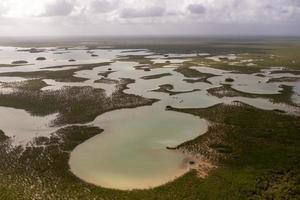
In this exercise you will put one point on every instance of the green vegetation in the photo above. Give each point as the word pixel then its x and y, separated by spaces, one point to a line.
pixel 2 136
pixel 32 50
pixel 29 85
pixel 19 62
pixel 142 61
pixel 193 73
pixel 285 96
pixel 40 58
pixel 106 73
pixel 61 75
pixel 135 58
pixel 250 57
pixel 221 148
pixel 156 76
pixel 256 152
pixel 167 88
pixel 106 80
pixel 284 79
pixel 74 104
pixel 263 156
pixel 255 161
pixel 229 80
pixel 285 55
pixel 8 65
pixel 47 175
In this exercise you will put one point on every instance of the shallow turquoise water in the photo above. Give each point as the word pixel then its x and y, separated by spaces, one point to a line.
pixel 131 152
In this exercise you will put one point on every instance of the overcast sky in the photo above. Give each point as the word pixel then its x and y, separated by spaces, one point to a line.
pixel 149 17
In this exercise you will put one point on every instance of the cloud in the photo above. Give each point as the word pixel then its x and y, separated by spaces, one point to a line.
pixel 103 6
pixel 196 8
pixel 2 10
pixel 59 8
pixel 154 11
pixel 150 16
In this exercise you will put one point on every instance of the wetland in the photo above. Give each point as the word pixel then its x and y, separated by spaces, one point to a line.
pixel 208 120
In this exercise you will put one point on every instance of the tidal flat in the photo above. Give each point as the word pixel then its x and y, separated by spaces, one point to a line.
pixel 150 121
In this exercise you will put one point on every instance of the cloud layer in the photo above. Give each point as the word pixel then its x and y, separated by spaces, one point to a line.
pixel 158 17
pixel 58 8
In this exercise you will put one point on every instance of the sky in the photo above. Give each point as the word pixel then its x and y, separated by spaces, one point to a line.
pixel 149 17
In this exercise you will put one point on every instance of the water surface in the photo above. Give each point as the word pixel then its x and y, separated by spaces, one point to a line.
pixel 131 152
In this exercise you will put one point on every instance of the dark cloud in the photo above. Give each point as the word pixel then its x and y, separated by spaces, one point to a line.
pixel 59 8
pixel 103 6
pixel 197 8
pixel 155 11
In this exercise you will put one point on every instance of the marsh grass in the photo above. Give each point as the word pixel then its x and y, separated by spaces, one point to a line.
pixel 262 144
pixel 74 104
pixel 285 96
pixel 156 76
pixel 255 161
pixel 168 89
pixel 257 151
pixel 61 75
